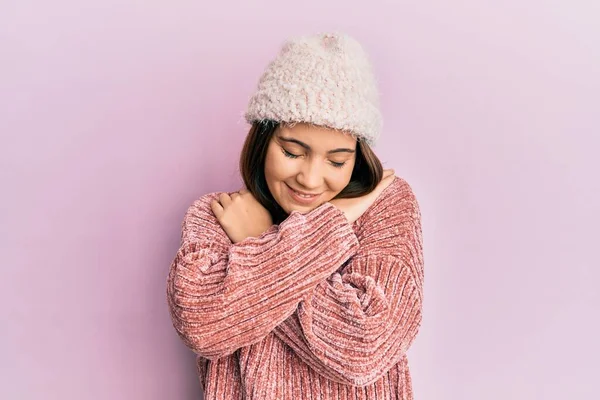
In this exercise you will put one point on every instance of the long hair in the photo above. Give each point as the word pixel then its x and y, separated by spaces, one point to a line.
pixel 366 175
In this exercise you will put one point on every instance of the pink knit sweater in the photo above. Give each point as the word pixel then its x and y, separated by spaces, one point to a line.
pixel 314 308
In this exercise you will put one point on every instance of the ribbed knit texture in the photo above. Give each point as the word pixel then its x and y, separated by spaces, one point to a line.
pixel 315 308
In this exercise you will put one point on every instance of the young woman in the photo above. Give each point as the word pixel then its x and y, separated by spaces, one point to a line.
pixel 307 283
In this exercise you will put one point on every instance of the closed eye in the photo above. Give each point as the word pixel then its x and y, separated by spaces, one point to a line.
pixel 288 154
pixel 333 163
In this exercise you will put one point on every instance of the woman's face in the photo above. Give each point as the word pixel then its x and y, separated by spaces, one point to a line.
pixel 307 165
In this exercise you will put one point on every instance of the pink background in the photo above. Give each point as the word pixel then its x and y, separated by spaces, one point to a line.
pixel 116 115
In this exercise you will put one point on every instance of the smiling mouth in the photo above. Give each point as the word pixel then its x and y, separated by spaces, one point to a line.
pixel 306 196
pixel 303 195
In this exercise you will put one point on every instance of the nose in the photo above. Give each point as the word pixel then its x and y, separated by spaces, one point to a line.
pixel 310 175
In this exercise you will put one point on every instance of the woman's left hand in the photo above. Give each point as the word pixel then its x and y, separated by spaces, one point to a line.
pixel 241 215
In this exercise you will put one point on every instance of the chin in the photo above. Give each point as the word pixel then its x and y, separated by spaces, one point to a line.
pixel 301 209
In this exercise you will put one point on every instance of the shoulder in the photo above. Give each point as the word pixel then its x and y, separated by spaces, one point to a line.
pixel 202 205
pixel 391 220
pixel 199 217
pixel 400 188
pixel 398 198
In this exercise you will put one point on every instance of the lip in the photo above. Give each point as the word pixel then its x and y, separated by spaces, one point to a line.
pixel 301 200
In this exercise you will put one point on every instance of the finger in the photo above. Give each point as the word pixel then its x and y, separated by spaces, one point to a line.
pixel 385 182
pixel 224 199
pixel 388 172
pixel 234 195
pixel 243 191
pixel 217 208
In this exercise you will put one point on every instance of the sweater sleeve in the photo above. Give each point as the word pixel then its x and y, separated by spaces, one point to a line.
pixel 358 323
pixel 224 296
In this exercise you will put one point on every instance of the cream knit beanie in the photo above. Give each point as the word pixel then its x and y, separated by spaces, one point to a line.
pixel 323 79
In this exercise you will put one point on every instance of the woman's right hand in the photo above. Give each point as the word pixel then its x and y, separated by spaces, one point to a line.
pixel 354 208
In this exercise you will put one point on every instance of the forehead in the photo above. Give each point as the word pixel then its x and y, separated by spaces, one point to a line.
pixel 317 137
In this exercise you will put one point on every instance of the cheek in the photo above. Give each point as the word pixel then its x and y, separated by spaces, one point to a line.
pixel 276 171
pixel 275 168
pixel 337 181
pixel 340 182
pixel 340 178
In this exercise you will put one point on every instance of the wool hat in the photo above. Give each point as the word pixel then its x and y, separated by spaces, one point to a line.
pixel 324 79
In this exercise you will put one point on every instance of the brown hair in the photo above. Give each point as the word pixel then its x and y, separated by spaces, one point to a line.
pixel 366 175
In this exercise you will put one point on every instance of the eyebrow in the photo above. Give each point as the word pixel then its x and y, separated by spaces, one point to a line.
pixel 307 147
